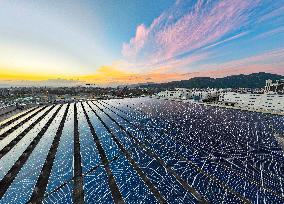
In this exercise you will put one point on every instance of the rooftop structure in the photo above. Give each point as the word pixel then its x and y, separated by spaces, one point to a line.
pixel 277 86
pixel 196 94
pixel 178 93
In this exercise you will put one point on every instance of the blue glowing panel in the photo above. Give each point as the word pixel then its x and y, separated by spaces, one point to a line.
pixel 8 160
pixel 96 187
pixel 90 156
pixel 23 185
pixel 145 149
pixel 62 170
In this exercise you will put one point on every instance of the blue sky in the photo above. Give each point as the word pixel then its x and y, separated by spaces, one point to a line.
pixel 112 42
pixel 90 32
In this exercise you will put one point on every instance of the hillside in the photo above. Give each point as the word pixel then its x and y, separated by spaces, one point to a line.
pixel 255 80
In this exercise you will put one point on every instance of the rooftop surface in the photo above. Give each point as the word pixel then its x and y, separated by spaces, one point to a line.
pixel 140 150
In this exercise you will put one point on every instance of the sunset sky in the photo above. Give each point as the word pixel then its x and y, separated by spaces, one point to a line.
pixel 111 42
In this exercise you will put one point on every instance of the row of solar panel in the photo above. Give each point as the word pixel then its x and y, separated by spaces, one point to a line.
pixel 129 156
pixel 251 179
pixel 274 184
pixel 28 171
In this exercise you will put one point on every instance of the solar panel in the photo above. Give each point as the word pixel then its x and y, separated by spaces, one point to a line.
pixel 141 150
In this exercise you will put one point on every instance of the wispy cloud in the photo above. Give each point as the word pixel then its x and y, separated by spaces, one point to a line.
pixel 198 38
pixel 277 11
pixel 270 61
pixel 226 40
pixel 185 28
pixel 268 34
pixel 136 44
pixel 187 33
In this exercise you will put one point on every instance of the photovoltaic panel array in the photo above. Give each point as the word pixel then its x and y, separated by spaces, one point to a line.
pixel 140 150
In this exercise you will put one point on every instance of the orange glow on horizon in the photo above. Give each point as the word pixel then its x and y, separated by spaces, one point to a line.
pixel 29 77
pixel 110 75
pixel 105 75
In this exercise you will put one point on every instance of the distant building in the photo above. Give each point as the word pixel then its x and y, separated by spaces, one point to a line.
pixel 52 98
pixel 4 92
pixel 271 100
pixel 205 95
pixel 179 93
pixel 277 86
pixel 195 94
pixel 267 101
pixel 90 85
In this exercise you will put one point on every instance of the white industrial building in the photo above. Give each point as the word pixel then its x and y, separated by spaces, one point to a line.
pixel 271 100
pixel 184 94
pixel 178 93
pixel 267 101
pixel 204 95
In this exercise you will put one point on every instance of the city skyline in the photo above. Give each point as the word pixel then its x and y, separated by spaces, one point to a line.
pixel 110 43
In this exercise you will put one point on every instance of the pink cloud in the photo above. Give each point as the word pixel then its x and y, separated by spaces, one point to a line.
pixel 223 71
pixel 177 64
pixel 226 40
pixel 270 33
pixel 275 13
pixel 172 34
pixel 271 61
pixel 136 43
pixel 182 39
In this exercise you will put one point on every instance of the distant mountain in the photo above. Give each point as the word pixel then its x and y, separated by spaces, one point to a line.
pixel 140 84
pixel 255 80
